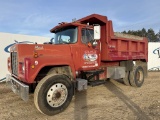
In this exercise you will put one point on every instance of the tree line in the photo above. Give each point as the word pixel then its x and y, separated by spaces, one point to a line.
pixel 150 34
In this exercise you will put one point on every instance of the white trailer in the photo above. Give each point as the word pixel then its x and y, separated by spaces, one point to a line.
pixel 154 56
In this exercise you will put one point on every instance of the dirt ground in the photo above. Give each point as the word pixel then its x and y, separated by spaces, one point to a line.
pixel 111 101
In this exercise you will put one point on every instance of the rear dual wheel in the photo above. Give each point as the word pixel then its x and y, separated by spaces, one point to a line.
pixel 53 94
pixel 135 77
pixel 126 79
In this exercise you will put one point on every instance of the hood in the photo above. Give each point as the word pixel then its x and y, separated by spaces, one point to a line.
pixel 28 50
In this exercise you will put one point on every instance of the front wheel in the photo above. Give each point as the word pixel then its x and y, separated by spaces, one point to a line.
pixel 53 94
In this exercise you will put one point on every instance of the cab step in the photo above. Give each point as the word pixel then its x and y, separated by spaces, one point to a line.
pixel 96 82
pixel 89 75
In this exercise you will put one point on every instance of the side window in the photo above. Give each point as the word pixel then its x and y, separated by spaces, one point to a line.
pixel 87 35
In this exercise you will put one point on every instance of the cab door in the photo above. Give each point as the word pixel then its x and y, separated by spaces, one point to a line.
pixel 90 50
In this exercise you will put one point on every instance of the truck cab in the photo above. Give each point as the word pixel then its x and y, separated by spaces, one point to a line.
pixel 85 49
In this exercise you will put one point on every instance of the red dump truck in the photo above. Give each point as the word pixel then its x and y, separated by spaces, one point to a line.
pixel 83 52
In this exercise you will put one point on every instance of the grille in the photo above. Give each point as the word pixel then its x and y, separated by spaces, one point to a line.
pixel 14 63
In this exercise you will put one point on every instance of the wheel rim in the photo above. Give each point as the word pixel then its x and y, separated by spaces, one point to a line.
pixel 57 95
pixel 139 76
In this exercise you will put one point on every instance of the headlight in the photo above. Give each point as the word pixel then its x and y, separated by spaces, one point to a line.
pixel 22 67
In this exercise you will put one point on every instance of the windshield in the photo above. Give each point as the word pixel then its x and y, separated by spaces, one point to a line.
pixel 66 36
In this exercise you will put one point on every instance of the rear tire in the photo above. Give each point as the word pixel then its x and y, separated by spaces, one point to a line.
pixel 53 94
pixel 136 76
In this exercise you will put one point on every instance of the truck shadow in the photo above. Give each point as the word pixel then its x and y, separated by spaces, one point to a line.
pixel 80 104
pixel 130 104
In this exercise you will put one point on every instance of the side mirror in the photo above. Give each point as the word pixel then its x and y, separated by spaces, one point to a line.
pixel 97 32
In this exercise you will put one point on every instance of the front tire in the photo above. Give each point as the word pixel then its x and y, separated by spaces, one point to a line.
pixel 53 94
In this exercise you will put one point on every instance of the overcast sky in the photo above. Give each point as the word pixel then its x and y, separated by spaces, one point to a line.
pixel 37 17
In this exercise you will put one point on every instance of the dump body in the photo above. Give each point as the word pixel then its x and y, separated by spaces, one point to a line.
pixel 119 48
pixel 125 48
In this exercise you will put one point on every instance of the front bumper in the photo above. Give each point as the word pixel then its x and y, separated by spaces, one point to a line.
pixel 18 87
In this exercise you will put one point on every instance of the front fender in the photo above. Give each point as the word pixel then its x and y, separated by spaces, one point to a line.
pixel 42 62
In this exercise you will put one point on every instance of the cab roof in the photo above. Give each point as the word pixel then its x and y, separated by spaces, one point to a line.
pixel 91 19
